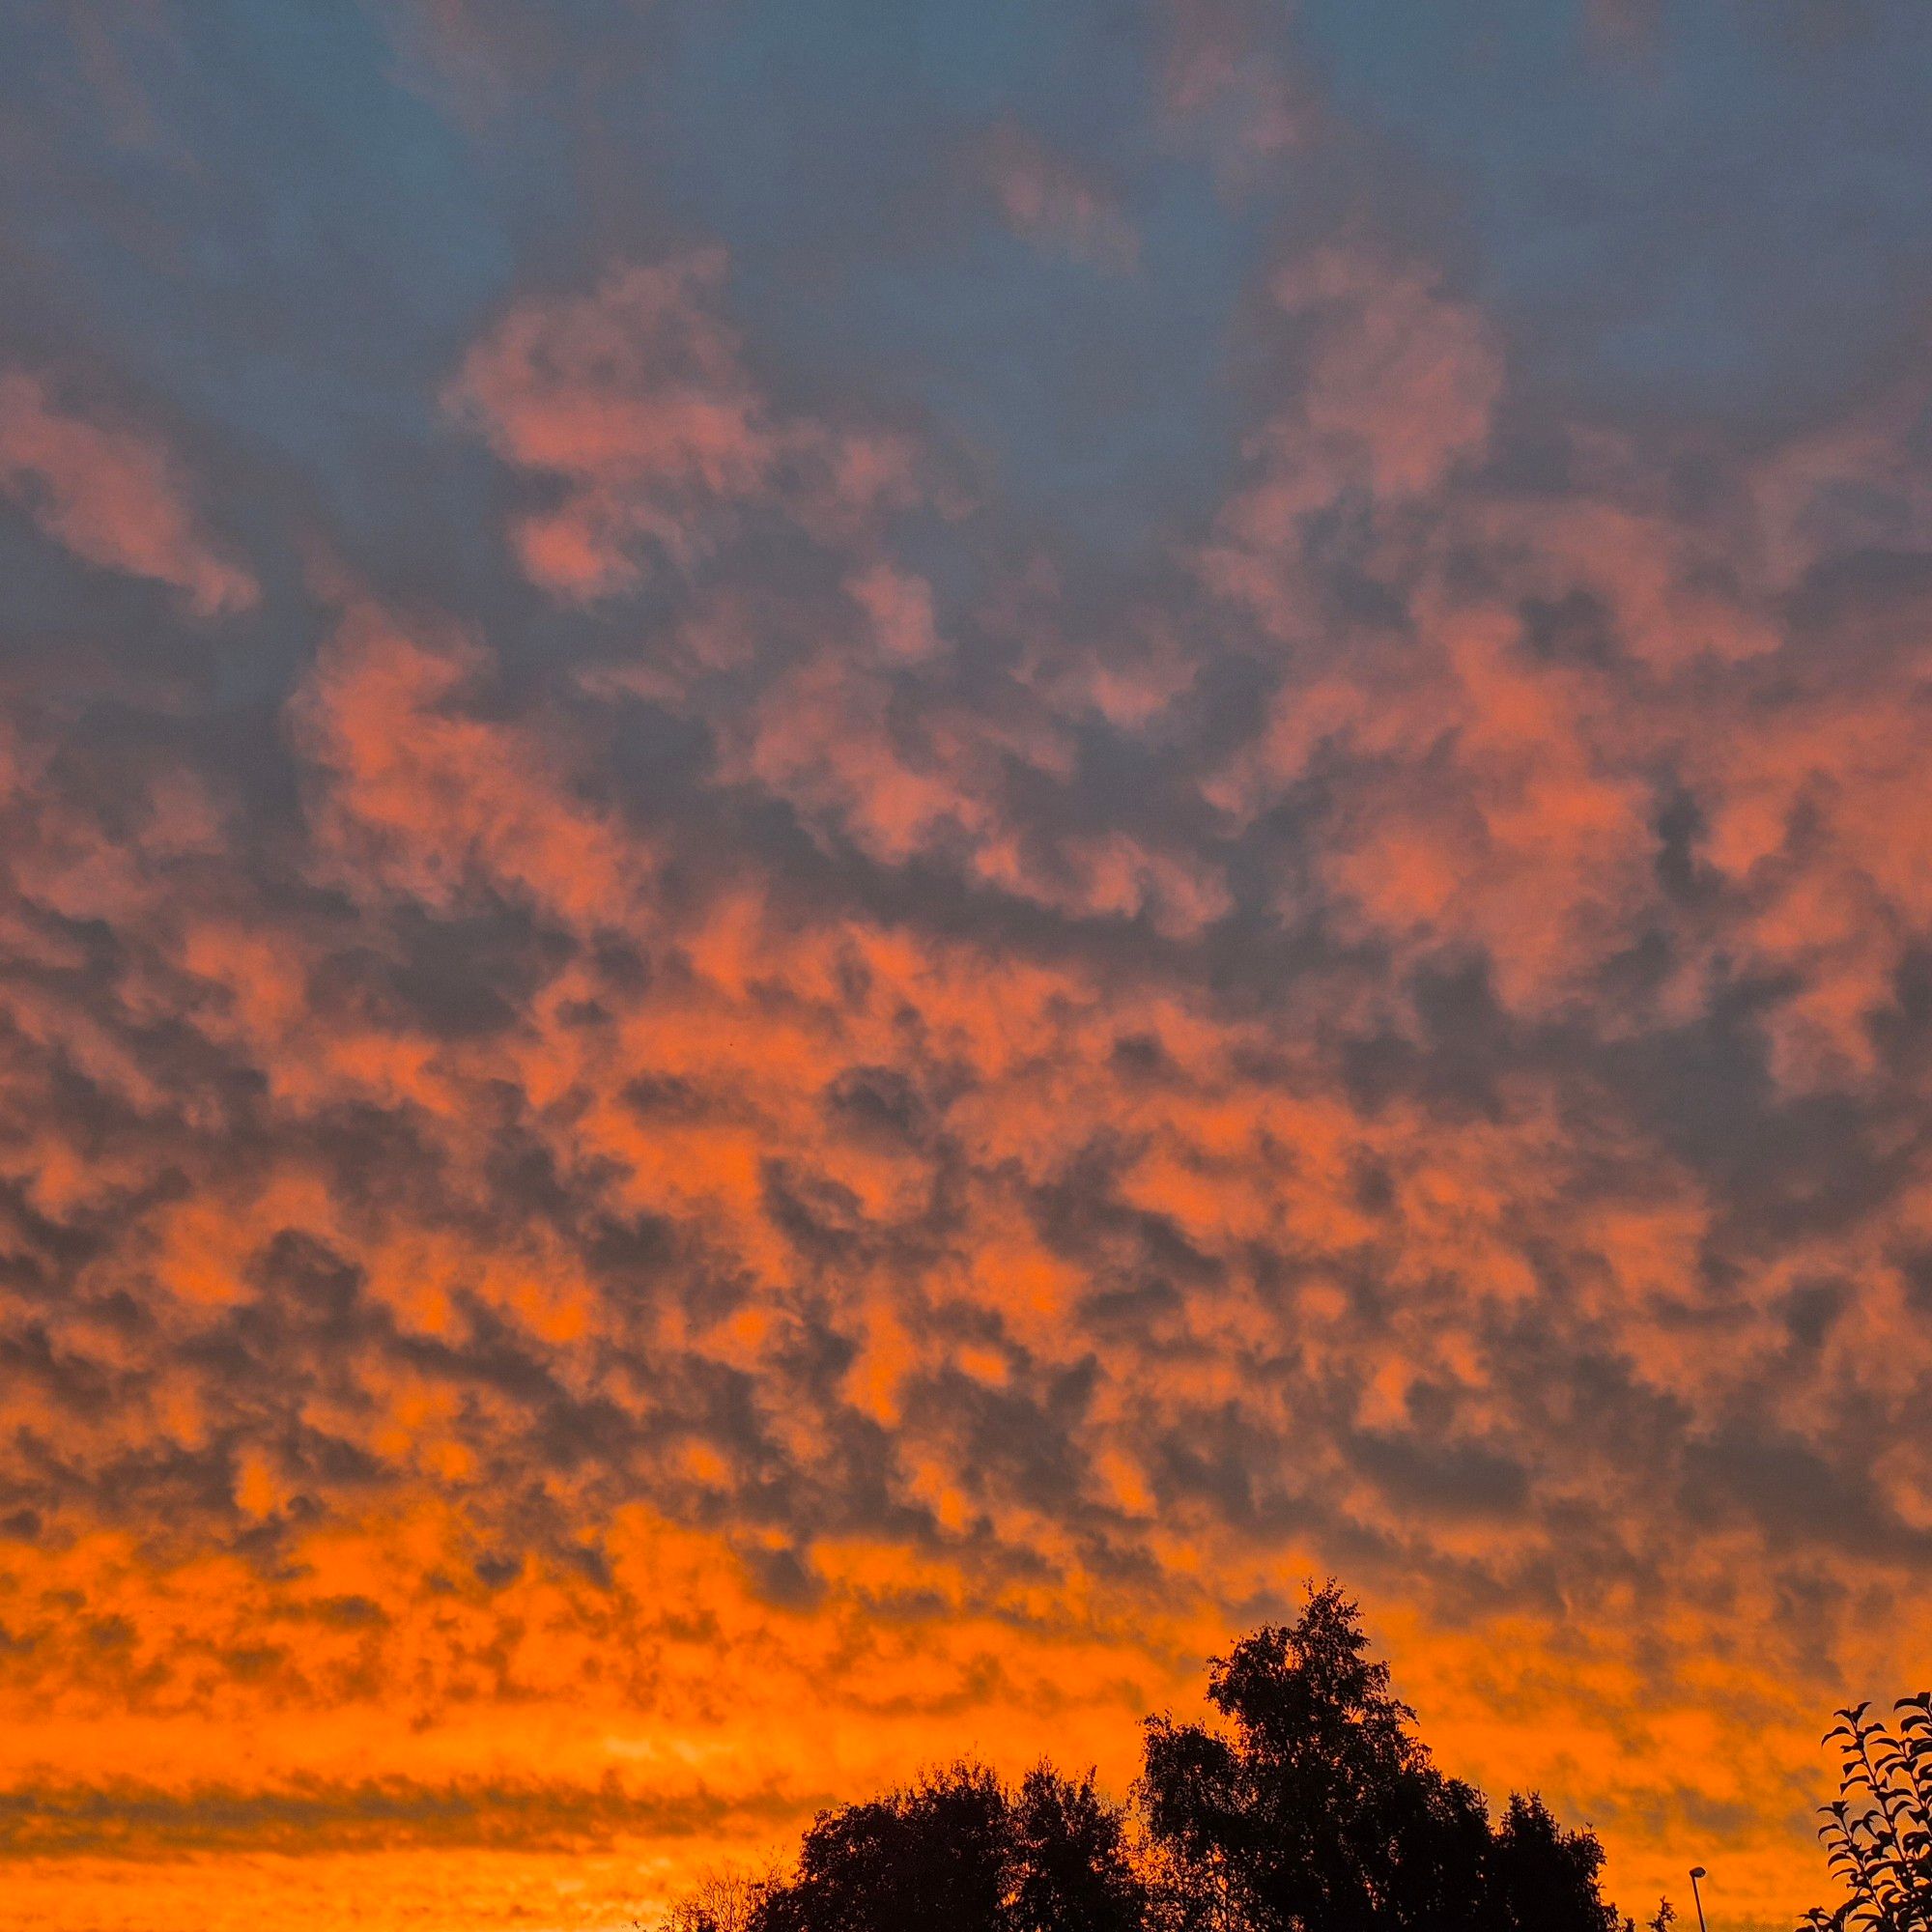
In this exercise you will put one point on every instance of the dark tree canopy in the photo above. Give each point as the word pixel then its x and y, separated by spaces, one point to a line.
pixel 1071 1870
pixel 961 1852
pixel 1317 1809
pixel 1543 1875
pixel 1311 1807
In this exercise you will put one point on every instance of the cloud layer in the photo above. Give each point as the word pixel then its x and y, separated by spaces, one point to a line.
pixel 698 1107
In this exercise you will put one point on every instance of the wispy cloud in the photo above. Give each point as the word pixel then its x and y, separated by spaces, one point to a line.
pixel 112 494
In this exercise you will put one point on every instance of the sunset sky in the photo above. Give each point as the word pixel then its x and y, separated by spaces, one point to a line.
pixel 855 854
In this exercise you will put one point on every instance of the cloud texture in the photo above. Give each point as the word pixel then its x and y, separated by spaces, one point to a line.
pixel 696 1106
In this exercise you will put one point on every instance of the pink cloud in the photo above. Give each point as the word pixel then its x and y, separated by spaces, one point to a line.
pixel 1049 201
pixel 113 494
pixel 425 799
pixel 1222 78
pixel 634 400
pixel 634 404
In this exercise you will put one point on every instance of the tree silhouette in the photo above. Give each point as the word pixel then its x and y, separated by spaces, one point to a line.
pixel 961 1852
pixel 726 1901
pixel 1071 1869
pixel 1541 1875
pixel 1879 1829
pixel 1320 1810
pixel 1312 1808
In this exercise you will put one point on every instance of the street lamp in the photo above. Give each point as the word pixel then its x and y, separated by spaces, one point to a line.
pixel 1697 1873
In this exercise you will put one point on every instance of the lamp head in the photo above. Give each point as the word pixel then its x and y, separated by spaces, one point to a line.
pixel 1698 1871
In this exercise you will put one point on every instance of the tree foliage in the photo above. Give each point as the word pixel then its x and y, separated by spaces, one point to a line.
pixel 1878 1831
pixel 1315 1808
pixel 962 1851
pixel 1310 1807
pixel 726 1901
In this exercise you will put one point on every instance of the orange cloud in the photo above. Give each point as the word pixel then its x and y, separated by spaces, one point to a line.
pixel 634 400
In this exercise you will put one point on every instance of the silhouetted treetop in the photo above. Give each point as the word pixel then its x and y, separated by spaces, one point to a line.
pixel 1319 1810
pixel 961 1852
pixel 1311 1805
pixel 1543 1875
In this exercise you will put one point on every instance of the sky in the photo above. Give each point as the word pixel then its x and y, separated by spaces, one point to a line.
pixel 856 854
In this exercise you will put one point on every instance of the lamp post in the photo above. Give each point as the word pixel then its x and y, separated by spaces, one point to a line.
pixel 1698 1897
